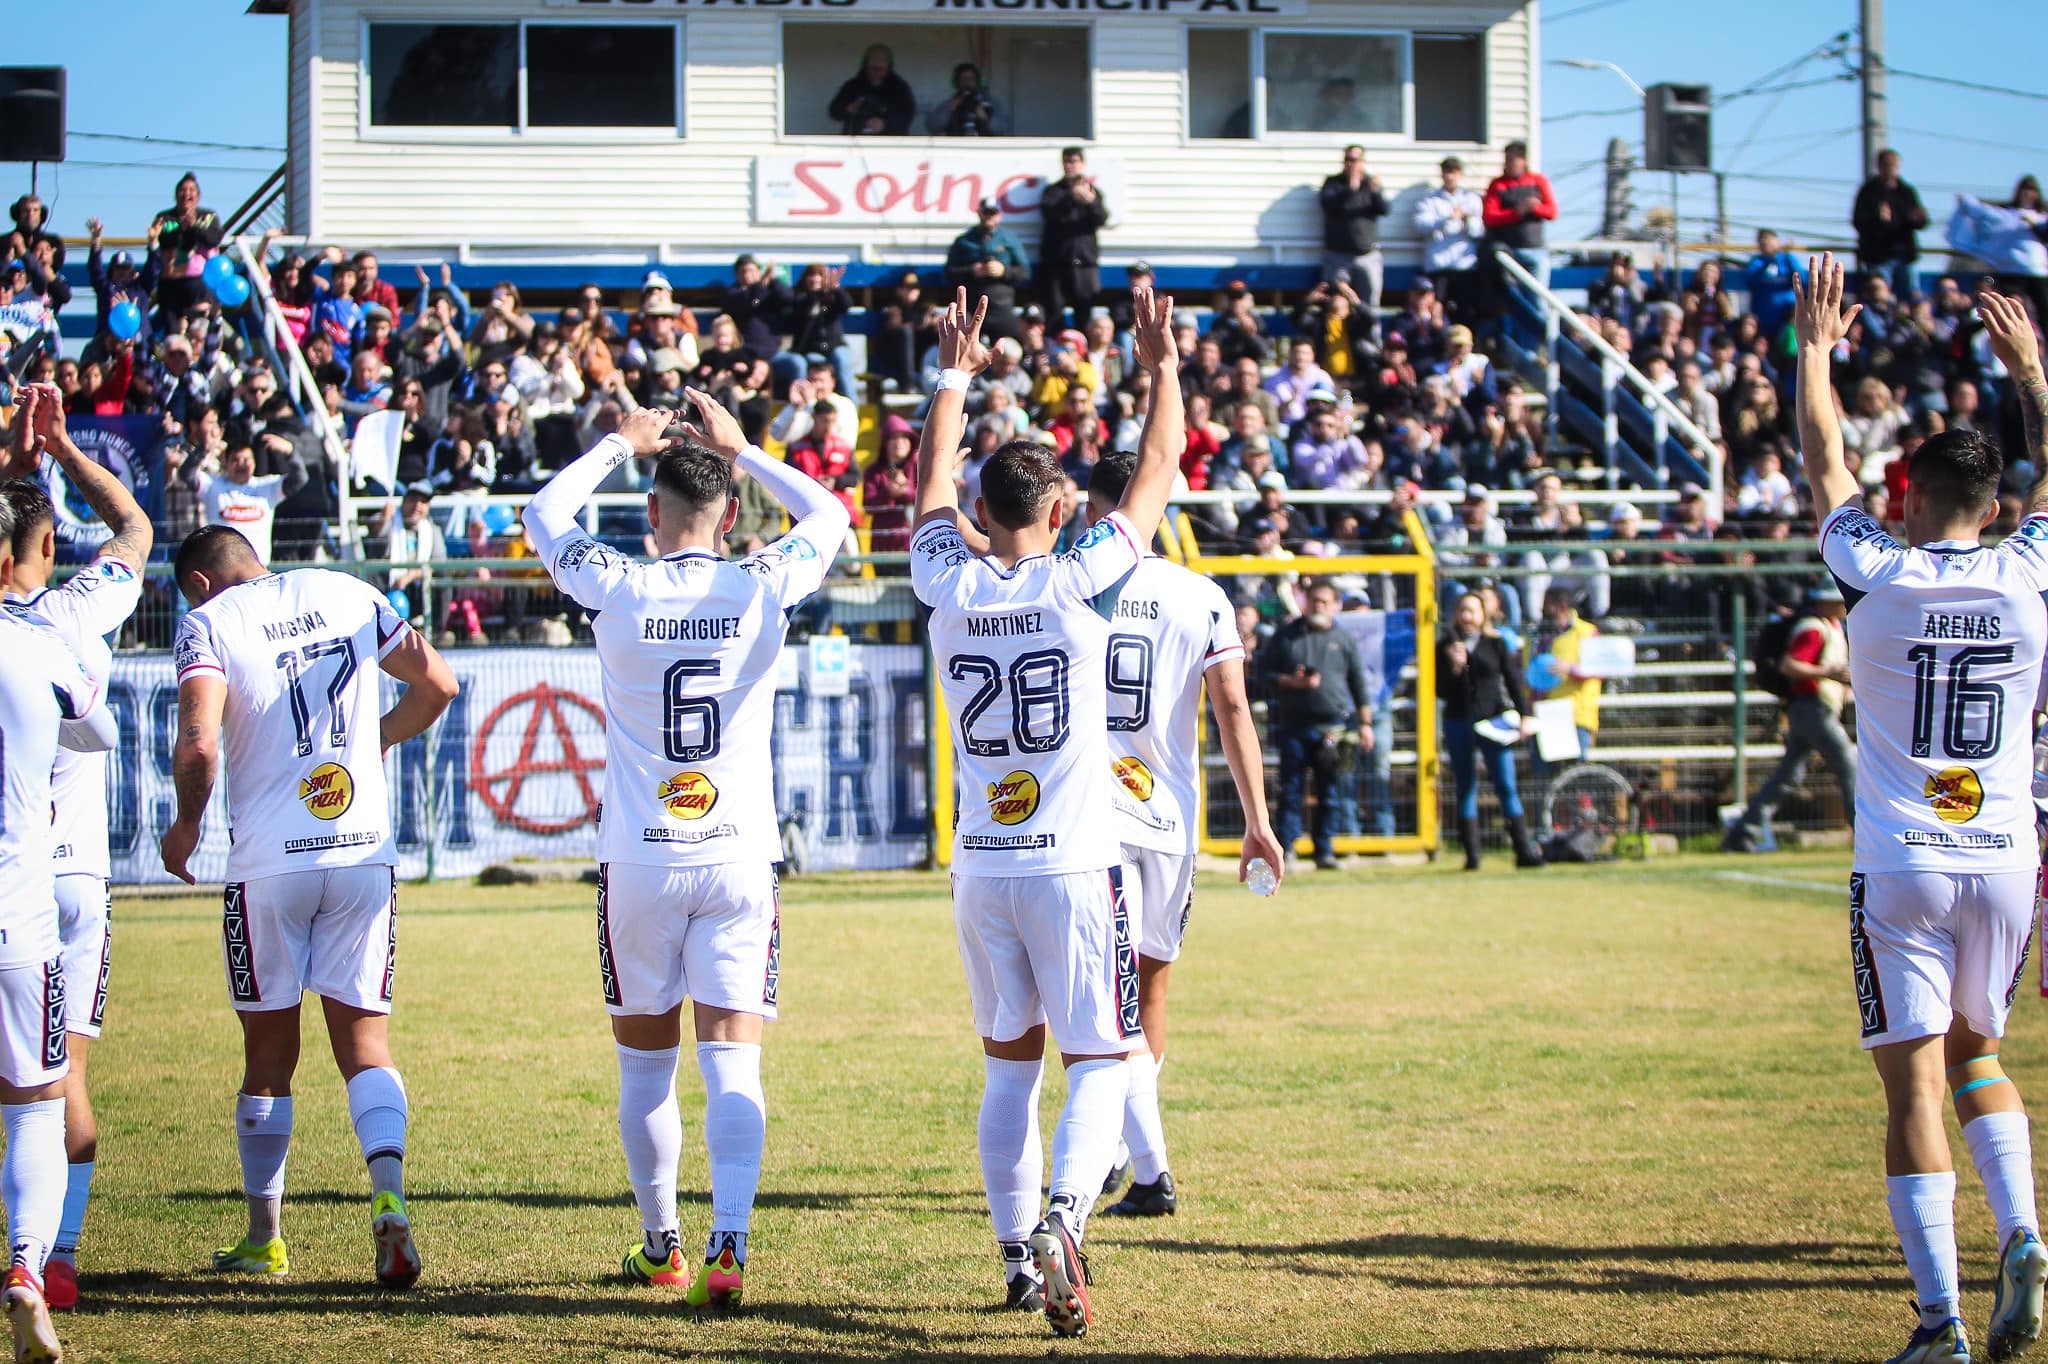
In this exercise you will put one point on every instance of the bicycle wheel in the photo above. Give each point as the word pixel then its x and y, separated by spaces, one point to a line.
pixel 1591 798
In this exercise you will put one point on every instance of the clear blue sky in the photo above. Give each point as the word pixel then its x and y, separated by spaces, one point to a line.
pixel 216 75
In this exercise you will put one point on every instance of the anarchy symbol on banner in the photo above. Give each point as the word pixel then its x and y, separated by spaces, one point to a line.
pixel 502 789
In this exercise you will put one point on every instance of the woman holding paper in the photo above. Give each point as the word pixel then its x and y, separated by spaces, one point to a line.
pixel 1485 710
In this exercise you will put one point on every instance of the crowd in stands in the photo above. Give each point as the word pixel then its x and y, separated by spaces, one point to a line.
pixel 1335 394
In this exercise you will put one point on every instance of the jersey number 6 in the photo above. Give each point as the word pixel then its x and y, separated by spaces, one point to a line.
pixel 690 725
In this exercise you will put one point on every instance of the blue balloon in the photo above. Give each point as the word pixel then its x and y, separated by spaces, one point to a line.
pixel 218 272
pixel 1546 673
pixel 232 292
pixel 400 603
pixel 124 320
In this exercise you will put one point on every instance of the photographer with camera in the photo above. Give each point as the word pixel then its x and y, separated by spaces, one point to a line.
pixel 970 111
pixel 875 99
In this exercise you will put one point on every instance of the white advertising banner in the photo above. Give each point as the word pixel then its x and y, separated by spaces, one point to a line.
pixel 515 769
pixel 904 189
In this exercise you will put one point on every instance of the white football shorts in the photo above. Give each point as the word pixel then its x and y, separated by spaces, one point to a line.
pixel 32 1052
pixel 333 931
pixel 711 933
pixel 85 907
pixel 1928 946
pixel 1054 949
pixel 1161 889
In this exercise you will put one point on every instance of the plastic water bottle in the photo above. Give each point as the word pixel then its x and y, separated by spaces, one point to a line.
pixel 1259 878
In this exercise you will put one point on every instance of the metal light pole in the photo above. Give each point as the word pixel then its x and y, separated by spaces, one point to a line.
pixel 1594 64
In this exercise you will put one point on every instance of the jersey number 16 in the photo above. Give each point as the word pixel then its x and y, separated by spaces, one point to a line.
pixel 1973 713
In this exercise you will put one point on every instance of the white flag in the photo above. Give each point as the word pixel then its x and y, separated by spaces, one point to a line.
pixel 374 452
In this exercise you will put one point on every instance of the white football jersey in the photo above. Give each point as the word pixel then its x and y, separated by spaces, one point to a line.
pixel 250 508
pixel 689 645
pixel 1171 625
pixel 1945 652
pixel 83 610
pixel 305 765
pixel 1022 654
pixel 42 684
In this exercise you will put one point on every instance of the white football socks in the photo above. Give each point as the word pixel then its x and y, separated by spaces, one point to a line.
pixel 1144 1134
pixel 651 1130
pixel 77 1192
pixel 1084 1143
pixel 32 1179
pixel 263 1132
pixel 735 1129
pixel 1924 1215
pixel 377 1107
pixel 2004 1154
pixel 1012 1151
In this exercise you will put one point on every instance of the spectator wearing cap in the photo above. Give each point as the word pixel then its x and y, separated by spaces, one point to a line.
pixel 118 280
pixel 1421 323
pixel 442 299
pixel 1236 329
pixel 874 100
pixel 1815 665
pixel 990 263
pixel 1073 211
pixel 817 307
pixel 1323 452
pixel 1518 202
pixel 406 534
pixel 889 489
pixel 31 223
pixel 759 306
pixel 1472 549
pixel 1469 372
pixel 1352 206
pixel 373 333
pixel 904 330
pixel 1452 221
pixel 1332 318
pixel 1302 376
pixel 1066 365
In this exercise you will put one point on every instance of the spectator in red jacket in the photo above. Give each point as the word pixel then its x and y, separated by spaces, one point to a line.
pixel 827 456
pixel 370 288
pixel 1079 409
pixel 1518 203
pixel 890 488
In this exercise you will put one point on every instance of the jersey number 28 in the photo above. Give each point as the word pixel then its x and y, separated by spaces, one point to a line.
pixel 1973 715
pixel 1038 701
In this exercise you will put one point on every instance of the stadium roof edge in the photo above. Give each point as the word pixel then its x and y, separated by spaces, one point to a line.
pixel 269 7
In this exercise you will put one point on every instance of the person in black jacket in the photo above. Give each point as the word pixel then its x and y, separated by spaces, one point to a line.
pixel 1352 208
pixel 760 305
pixel 816 307
pixel 875 99
pixel 1321 711
pixel 1477 678
pixel 1073 211
pixel 1888 217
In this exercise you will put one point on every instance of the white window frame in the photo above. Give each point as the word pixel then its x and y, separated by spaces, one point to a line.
pixel 918 138
pixel 1404 41
pixel 366 131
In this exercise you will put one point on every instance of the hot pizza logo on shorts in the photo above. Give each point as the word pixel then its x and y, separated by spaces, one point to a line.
pixel 687 795
pixel 1014 799
pixel 1956 794
pixel 328 791
pixel 1135 776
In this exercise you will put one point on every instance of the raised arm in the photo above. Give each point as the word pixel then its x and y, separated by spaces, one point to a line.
pixel 1820 322
pixel 103 492
pixel 551 516
pixel 2013 341
pixel 961 357
pixel 819 517
pixel 1165 437
pixel 202 698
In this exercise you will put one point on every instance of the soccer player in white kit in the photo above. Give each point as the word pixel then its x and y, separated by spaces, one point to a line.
pixel 1020 639
pixel 1946 640
pixel 278 677
pixel 42 685
pixel 89 605
pixel 686 900
pixel 1173 634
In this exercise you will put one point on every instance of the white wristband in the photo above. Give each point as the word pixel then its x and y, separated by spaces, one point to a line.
pixel 953 381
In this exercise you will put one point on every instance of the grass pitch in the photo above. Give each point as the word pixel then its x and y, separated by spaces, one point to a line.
pixel 1582 1114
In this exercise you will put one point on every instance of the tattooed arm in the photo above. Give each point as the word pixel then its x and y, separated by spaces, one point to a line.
pixel 2014 342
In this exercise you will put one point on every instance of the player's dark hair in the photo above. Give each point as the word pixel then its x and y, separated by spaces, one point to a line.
pixel 29 512
pixel 1016 483
pixel 212 550
pixel 1111 475
pixel 698 478
pixel 1957 473
pixel 7 525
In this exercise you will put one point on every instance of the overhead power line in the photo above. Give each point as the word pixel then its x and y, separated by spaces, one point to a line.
pixel 1979 86
pixel 175 142
pixel 1582 9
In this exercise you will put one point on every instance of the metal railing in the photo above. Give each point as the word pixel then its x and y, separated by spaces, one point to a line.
pixel 1630 404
